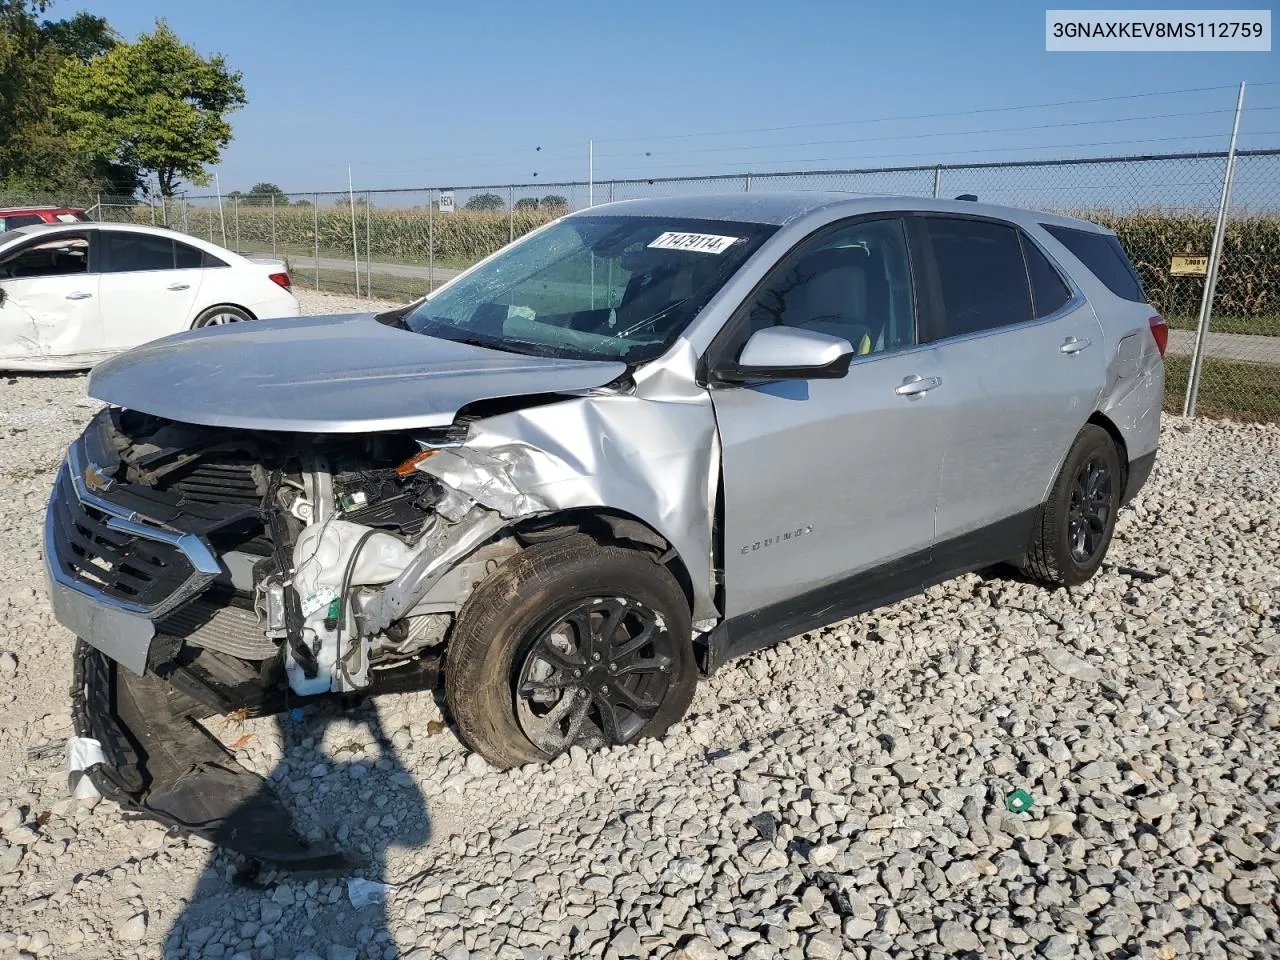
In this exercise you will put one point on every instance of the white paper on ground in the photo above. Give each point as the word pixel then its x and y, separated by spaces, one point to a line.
pixel 82 753
pixel 362 892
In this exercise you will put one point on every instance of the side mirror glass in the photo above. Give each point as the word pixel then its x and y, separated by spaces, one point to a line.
pixel 788 353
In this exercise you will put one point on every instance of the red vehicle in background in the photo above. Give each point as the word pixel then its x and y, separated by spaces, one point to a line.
pixel 13 217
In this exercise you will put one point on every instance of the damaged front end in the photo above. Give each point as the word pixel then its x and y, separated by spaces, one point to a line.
pixel 210 571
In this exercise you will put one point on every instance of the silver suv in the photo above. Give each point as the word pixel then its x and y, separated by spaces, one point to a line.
pixel 646 438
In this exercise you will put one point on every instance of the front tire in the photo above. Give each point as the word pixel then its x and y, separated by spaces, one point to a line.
pixel 1077 521
pixel 569 643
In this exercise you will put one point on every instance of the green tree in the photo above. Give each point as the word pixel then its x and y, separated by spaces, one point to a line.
pixel 263 192
pixel 554 201
pixel 527 203
pixel 83 37
pixel 154 104
pixel 484 202
pixel 35 153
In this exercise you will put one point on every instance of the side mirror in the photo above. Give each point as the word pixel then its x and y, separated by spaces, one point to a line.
pixel 788 353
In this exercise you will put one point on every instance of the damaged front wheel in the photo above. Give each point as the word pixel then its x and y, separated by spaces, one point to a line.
pixel 570 643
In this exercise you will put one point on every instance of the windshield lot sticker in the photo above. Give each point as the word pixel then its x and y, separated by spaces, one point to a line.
pixel 697 242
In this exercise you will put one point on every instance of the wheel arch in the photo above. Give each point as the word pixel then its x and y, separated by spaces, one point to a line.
pixel 608 526
pixel 1100 419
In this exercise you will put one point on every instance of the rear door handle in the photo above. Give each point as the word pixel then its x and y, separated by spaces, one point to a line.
pixel 79 295
pixel 179 286
pixel 916 385
pixel 1074 344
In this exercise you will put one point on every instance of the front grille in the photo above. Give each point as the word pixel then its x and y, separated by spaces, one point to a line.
pixel 131 570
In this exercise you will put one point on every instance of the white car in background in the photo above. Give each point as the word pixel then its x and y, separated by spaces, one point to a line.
pixel 73 294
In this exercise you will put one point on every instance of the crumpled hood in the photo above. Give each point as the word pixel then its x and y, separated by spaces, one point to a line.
pixel 340 374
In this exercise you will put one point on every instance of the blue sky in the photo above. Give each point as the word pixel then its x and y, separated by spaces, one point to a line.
pixel 419 94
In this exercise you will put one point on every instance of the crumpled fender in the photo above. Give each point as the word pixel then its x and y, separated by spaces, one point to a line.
pixel 653 453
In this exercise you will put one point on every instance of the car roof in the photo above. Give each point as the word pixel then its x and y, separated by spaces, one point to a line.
pixel 40 209
pixel 783 207
pixel 55 228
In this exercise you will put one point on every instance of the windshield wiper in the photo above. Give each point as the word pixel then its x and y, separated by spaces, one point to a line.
pixel 396 317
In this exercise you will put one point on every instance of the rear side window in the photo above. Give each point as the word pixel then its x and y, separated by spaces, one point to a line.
pixel 128 252
pixel 981 275
pixel 1049 292
pixel 1103 255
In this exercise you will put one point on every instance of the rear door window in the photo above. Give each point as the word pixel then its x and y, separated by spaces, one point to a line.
pixel 126 252
pixel 982 279
pixel 1049 292
pixel 1105 257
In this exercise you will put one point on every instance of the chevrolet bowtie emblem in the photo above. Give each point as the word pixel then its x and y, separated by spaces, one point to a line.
pixel 97 480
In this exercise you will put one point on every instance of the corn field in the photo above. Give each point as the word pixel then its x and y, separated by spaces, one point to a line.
pixel 1248 281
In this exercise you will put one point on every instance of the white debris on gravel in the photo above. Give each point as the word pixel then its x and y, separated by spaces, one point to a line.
pixel 842 795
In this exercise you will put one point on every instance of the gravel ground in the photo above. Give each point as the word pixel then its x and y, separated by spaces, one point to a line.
pixel 843 794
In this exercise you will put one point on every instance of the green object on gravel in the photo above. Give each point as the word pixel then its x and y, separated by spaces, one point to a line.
pixel 1019 801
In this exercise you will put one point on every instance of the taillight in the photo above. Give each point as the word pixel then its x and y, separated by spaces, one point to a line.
pixel 1159 333
pixel 282 279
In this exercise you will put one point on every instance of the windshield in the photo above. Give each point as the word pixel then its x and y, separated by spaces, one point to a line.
pixel 597 288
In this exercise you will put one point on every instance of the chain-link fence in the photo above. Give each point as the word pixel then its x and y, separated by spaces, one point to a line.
pixel 400 244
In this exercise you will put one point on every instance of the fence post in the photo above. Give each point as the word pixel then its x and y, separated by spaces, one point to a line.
pixel 273 224
pixel 315 233
pixel 612 184
pixel 368 247
pixel 937 182
pixel 1215 259
pixel 511 213
pixel 235 213
pixel 355 243
pixel 185 227
pixel 747 186
pixel 151 202
pixel 431 240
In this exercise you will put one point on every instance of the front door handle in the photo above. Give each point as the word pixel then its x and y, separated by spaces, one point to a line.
pixel 179 286
pixel 916 385
pixel 1074 344
pixel 79 295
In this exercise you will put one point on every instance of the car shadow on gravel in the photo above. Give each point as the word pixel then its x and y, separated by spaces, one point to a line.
pixel 348 791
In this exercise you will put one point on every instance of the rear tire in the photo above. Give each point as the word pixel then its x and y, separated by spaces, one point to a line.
pixel 222 314
pixel 569 643
pixel 1077 521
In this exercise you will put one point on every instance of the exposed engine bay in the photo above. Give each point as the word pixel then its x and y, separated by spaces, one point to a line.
pixel 336 554
pixel 338 568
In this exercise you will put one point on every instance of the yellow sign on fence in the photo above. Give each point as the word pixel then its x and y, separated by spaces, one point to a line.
pixel 1189 266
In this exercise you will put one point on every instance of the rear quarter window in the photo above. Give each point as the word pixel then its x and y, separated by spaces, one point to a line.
pixel 1105 258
